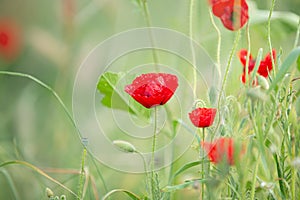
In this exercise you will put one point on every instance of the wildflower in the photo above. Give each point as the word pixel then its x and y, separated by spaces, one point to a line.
pixel 152 89
pixel 264 68
pixel 232 13
pixel 10 41
pixel 203 117
pixel 220 150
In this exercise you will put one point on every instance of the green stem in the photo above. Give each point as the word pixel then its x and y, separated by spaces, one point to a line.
pixel 46 87
pixel 39 171
pixel 149 25
pixel 153 154
pixel 59 101
pixel 269 35
pixel 235 44
pixel 194 64
pixel 202 157
pixel 99 173
pixel 82 175
pixel 219 43
pixel 248 57
pixel 11 184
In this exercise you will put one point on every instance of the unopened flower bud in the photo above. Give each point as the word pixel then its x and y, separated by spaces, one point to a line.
pixel 124 146
pixel 49 192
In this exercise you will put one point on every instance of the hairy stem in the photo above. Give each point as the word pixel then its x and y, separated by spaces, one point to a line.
pixel 219 43
pixel 235 44
pixel 203 173
pixel 194 64
pixel 149 25
pixel 153 154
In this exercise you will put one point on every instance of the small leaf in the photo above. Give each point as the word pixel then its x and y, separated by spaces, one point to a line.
pixel 257 63
pixel 285 67
pixel 113 97
pixel 124 146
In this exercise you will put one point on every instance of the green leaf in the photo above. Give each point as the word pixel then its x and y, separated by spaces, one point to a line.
pixel 285 67
pixel 187 166
pixel 257 63
pixel 181 186
pixel 128 193
pixel 113 97
pixel 298 106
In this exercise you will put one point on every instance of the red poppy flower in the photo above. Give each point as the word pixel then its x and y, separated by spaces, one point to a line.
pixel 10 41
pixel 203 117
pixel 220 150
pixel 152 89
pixel 264 68
pixel 233 13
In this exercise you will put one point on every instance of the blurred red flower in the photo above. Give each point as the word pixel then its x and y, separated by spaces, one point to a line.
pixel 10 39
pixel 265 65
pixel 220 150
pixel 233 13
pixel 152 89
pixel 203 117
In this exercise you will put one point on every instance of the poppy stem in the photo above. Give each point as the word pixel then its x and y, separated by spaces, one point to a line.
pixel 153 154
pixel 219 43
pixel 192 3
pixel 235 44
pixel 202 157
pixel 149 25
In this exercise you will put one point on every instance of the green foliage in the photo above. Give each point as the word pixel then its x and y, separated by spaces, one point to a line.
pixel 285 66
pixel 113 96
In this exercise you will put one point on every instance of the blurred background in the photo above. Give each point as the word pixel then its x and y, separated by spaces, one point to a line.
pixel 50 39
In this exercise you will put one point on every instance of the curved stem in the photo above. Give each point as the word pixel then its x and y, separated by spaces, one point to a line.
pixel 219 43
pixel 39 171
pixel 46 87
pixel 192 3
pixel 59 101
